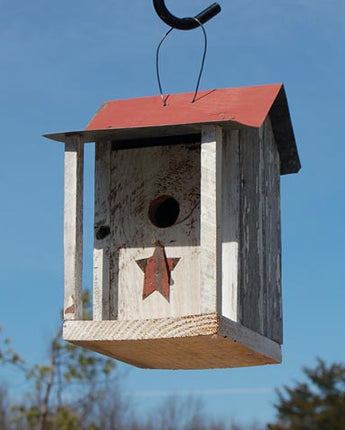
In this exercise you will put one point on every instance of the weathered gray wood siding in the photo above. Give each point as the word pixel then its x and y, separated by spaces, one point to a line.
pixel 259 290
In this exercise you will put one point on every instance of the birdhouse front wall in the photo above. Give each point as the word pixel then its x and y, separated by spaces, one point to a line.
pixel 130 184
pixel 143 243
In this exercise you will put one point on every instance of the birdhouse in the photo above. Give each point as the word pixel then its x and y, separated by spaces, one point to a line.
pixel 187 248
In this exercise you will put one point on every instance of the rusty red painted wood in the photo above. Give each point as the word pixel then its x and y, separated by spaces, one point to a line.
pixel 248 106
pixel 157 272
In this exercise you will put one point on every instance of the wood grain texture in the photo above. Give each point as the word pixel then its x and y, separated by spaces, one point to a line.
pixel 194 342
pixel 251 249
pixel 259 291
pixel 138 177
pixel 73 228
pixel 210 218
pixel 272 236
pixel 141 329
pixel 102 299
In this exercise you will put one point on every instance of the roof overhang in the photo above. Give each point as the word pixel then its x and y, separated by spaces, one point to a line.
pixel 234 108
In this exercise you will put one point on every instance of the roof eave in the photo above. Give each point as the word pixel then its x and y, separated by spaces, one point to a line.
pixel 276 108
pixel 284 135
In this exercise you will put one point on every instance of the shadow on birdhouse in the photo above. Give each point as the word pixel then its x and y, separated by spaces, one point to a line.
pixel 187 251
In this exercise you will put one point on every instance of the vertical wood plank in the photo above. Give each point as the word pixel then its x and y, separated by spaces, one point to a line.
pixel 73 228
pixel 272 236
pixel 251 279
pixel 230 224
pixel 101 279
pixel 210 213
pixel 260 293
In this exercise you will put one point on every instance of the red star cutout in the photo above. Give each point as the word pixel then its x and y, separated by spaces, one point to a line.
pixel 157 272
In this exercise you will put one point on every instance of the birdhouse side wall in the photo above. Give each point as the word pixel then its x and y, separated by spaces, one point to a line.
pixel 259 290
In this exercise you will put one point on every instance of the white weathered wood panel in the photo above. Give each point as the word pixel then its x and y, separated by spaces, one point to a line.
pixel 73 228
pixel 230 224
pixel 210 218
pixel 138 176
pixel 184 288
pixel 102 299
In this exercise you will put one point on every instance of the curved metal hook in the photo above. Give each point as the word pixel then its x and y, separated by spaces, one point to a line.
pixel 185 23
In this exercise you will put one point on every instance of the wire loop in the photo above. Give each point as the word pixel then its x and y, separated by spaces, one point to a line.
pixel 157 66
pixel 164 99
pixel 203 60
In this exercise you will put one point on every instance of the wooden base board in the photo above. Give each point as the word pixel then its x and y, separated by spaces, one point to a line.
pixel 191 342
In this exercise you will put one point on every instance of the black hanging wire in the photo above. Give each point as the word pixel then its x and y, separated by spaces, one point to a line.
pixel 203 59
pixel 164 99
pixel 157 66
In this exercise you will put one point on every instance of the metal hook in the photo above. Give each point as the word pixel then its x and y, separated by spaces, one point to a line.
pixel 185 23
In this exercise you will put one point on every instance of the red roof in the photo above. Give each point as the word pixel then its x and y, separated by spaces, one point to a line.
pixel 146 117
pixel 248 106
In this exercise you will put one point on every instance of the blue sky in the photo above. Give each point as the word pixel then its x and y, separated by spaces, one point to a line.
pixel 60 60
